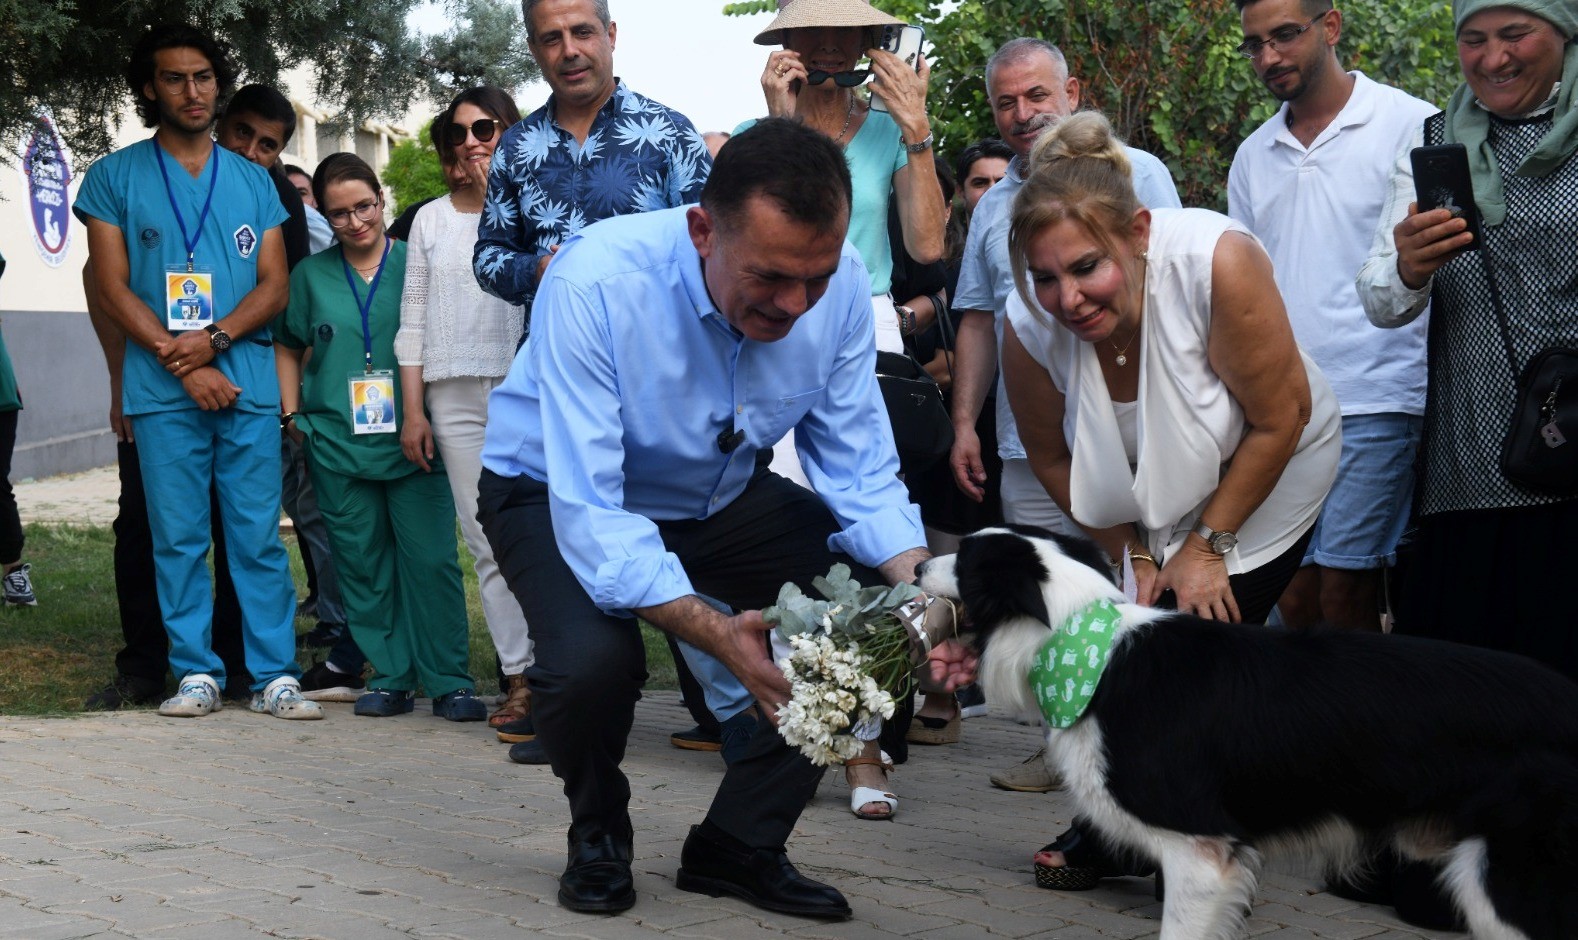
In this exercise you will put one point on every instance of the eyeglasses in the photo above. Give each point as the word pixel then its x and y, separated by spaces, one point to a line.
pixel 483 130
pixel 841 79
pixel 1252 48
pixel 175 82
pixel 364 211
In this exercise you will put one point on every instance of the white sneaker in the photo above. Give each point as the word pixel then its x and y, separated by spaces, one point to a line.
pixel 282 698
pixel 197 696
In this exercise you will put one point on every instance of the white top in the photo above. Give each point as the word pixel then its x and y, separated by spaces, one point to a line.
pixel 1316 209
pixel 1389 302
pixel 448 325
pixel 986 278
pixel 1189 424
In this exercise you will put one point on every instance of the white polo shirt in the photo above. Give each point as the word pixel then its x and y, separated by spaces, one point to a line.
pixel 1316 210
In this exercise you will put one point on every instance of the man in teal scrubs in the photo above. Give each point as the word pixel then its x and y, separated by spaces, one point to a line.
pixel 166 216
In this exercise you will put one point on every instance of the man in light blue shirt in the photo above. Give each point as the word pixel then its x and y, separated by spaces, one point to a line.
pixel 618 483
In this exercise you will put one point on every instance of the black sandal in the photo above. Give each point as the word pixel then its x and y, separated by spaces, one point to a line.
pixel 1086 861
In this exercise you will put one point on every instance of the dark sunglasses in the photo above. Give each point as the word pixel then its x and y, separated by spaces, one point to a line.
pixel 841 79
pixel 483 130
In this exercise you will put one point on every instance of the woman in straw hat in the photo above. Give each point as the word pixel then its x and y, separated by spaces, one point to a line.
pixel 814 79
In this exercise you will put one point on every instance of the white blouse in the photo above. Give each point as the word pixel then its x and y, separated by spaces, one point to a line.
pixel 1188 423
pixel 448 325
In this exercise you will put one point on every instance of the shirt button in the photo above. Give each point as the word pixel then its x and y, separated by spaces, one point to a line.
pixel 739 409
pixel 715 499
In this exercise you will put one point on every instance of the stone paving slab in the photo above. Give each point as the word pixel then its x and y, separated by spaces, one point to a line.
pixel 240 825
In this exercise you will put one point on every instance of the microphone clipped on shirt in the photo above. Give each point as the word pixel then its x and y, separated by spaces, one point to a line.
pixel 729 439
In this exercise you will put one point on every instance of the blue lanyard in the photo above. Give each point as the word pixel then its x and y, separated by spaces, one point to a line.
pixel 366 306
pixel 190 240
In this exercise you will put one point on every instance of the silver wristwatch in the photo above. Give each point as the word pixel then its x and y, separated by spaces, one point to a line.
pixel 1220 542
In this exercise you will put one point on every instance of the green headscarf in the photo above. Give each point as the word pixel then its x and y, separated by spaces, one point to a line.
pixel 1469 124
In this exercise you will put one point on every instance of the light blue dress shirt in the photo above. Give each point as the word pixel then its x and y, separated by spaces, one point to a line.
pixel 629 376
pixel 986 277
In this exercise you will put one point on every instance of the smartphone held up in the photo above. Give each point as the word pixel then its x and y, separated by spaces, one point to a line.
pixel 904 42
pixel 1442 181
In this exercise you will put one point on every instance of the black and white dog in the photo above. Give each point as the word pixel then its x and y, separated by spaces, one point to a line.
pixel 1209 747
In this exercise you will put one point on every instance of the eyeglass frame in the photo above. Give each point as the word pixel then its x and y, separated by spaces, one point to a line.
pixel 449 131
pixel 175 82
pixel 1254 48
pixel 373 209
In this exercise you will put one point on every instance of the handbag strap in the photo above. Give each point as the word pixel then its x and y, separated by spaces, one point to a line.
pixel 1501 310
pixel 945 331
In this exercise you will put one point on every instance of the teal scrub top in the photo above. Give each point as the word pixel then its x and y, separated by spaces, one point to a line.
pixel 127 190
pixel 324 317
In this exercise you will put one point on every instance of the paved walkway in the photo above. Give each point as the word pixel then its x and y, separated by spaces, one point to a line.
pixel 239 825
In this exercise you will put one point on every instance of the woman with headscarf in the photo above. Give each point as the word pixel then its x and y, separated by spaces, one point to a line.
pixel 1491 553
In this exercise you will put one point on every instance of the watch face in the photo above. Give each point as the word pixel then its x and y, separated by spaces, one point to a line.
pixel 220 340
pixel 1223 542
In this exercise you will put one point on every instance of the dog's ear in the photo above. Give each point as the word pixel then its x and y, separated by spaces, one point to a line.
pixel 1001 575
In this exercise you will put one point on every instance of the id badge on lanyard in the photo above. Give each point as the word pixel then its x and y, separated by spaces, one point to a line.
pixel 188 288
pixel 372 402
pixel 372 390
pixel 188 297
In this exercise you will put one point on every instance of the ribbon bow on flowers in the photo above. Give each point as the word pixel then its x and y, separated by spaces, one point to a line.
pixel 847 657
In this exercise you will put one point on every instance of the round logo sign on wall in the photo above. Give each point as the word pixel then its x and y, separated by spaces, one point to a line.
pixel 46 174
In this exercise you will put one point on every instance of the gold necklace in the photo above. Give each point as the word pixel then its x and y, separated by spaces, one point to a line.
pixel 1123 360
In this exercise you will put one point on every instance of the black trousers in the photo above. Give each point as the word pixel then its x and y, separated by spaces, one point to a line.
pixel 591 666
pixel 10 518
pixel 146 653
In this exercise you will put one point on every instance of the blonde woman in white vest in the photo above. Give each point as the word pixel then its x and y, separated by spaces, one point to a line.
pixel 1161 399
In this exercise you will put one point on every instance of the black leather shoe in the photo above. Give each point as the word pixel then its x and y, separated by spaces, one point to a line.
pixel 598 879
pixel 763 877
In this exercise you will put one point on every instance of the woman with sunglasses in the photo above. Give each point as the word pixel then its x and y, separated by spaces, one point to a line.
pixel 391 520
pixel 887 144
pixel 455 344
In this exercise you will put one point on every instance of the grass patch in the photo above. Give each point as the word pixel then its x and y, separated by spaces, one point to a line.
pixel 55 655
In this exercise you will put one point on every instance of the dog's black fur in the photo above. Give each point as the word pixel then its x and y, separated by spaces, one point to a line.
pixel 1208 744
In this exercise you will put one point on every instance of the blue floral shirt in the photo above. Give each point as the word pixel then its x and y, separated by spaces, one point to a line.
pixel 544 186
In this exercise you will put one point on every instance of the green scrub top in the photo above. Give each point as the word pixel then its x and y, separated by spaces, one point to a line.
pixel 323 316
pixel 10 398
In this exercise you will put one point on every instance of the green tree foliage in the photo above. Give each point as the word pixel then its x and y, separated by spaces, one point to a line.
pixel 1164 71
pixel 70 55
pixel 413 172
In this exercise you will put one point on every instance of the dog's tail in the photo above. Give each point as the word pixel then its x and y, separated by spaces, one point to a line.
pixel 1528 818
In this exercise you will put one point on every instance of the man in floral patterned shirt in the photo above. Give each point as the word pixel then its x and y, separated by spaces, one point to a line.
pixel 595 150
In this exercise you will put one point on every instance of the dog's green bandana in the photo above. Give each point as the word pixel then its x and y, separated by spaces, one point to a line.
pixel 1068 666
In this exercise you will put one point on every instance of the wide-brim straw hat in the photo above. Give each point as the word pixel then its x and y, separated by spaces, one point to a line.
pixel 795 14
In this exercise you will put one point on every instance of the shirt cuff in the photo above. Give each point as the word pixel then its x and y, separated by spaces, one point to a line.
pixel 625 584
pixel 876 539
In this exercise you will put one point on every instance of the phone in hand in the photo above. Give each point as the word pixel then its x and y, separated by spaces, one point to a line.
pixel 1442 181
pixel 904 42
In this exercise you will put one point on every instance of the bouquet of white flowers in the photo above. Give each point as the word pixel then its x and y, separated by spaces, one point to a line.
pixel 847 657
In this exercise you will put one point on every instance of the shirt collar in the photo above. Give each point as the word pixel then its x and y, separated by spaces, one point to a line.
pixel 614 105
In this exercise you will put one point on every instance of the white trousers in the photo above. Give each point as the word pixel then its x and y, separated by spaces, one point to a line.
pixel 459 410
pixel 786 460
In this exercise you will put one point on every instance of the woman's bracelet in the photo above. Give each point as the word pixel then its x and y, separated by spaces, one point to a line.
pixel 1142 556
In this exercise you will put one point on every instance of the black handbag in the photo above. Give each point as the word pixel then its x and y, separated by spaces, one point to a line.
pixel 922 431
pixel 1540 450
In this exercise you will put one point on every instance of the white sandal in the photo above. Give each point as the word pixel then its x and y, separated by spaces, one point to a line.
pixel 860 797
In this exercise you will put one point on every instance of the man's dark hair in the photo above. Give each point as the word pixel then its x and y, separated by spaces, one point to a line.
pixel 267 103
pixel 1312 8
pixel 339 167
pixel 435 136
pixel 980 150
pixel 292 169
pixel 139 71
pixel 800 169
pixel 599 9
